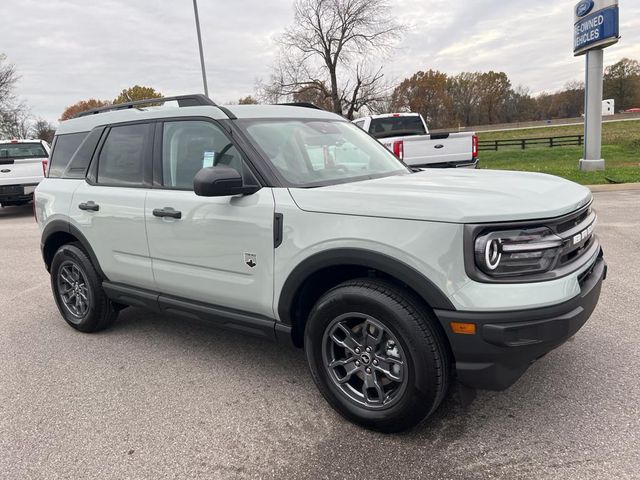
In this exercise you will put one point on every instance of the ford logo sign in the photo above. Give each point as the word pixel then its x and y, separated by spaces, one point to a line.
pixel 584 8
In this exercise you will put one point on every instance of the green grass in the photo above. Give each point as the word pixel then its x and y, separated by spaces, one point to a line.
pixel 620 149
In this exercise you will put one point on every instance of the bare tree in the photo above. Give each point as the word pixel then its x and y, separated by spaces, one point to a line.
pixel 43 130
pixel 328 51
pixel 8 79
pixel 15 122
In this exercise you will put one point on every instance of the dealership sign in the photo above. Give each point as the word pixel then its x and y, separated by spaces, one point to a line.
pixel 596 25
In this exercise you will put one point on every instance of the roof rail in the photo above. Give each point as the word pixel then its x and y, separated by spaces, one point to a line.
pixel 301 104
pixel 183 101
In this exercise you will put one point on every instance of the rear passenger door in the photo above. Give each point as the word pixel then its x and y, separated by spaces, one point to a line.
pixel 218 250
pixel 109 207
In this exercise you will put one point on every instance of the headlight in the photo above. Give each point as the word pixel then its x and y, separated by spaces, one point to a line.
pixel 517 252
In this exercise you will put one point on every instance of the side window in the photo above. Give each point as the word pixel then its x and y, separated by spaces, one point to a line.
pixel 64 147
pixel 80 161
pixel 190 145
pixel 360 123
pixel 121 160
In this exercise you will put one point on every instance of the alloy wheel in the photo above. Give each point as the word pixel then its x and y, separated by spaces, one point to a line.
pixel 365 360
pixel 73 290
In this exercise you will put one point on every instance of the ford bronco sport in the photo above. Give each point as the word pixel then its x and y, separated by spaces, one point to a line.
pixel 294 224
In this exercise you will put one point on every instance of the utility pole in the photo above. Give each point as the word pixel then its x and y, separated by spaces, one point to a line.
pixel 204 71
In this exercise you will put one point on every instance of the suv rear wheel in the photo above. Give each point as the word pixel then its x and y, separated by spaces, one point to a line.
pixel 78 291
pixel 375 355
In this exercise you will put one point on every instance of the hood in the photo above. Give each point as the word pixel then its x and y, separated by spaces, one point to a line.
pixel 448 195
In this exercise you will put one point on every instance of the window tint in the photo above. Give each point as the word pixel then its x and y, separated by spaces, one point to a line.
pixel 189 146
pixel 121 160
pixel 82 158
pixel 64 147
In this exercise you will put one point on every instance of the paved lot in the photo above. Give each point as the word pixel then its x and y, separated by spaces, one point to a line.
pixel 157 397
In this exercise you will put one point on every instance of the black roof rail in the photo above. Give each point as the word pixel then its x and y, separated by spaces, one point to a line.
pixel 301 104
pixel 183 101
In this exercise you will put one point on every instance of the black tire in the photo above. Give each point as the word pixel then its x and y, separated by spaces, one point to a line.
pixel 85 307
pixel 416 387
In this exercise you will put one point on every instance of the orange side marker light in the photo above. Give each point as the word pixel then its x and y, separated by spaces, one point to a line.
pixel 463 328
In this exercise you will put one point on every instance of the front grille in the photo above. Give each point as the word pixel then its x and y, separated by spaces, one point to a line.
pixel 574 220
pixel 576 230
pixel 570 254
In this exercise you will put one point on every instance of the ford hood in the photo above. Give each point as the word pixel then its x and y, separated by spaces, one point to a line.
pixel 447 195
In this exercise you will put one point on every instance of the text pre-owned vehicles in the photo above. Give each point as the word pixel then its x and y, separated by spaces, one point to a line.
pixel 407 136
pixel 22 164
pixel 294 224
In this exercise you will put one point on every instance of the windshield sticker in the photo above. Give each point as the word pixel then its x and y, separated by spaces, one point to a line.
pixel 208 159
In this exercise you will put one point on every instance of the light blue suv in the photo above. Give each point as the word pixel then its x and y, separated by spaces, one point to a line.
pixel 294 224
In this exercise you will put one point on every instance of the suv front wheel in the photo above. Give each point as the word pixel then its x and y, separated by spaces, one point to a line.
pixel 78 292
pixel 375 355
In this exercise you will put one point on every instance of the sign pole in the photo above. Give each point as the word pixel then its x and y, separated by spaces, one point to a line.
pixel 596 27
pixel 593 112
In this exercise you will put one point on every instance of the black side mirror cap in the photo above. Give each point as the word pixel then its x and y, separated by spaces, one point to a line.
pixel 221 181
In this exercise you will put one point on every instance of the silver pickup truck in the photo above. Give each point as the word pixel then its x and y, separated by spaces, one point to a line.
pixel 22 166
pixel 407 136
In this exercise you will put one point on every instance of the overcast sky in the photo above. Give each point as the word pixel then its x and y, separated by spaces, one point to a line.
pixel 68 50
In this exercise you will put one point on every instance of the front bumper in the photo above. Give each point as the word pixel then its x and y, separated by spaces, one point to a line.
pixel 506 343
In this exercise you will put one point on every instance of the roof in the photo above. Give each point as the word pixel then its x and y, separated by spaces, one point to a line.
pixel 390 115
pixel 280 111
pixel 88 122
pixel 35 140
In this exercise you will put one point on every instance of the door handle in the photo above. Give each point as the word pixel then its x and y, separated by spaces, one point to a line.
pixel 167 212
pixel 90 206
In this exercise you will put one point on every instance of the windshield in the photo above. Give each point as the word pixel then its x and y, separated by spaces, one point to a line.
pixel 397 126
pixel 22 150
pixel 310 153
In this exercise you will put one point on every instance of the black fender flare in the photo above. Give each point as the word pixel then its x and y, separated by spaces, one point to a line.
pixel 61 226
pixel 424 287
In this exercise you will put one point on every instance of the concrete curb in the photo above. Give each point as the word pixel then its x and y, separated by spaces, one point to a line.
pixel 614 187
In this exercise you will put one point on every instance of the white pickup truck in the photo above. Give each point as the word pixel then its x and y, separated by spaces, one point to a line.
pixel 407 136
pixel 22 167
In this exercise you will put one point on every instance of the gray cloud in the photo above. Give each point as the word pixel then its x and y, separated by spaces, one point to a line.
pixel 67 50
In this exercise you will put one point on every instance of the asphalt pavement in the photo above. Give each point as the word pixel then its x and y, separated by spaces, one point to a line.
pixel 158 397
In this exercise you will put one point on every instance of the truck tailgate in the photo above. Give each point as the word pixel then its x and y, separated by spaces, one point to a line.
pixel 22 171
pixel 438 148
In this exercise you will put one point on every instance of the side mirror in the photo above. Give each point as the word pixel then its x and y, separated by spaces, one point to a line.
pixel 220 181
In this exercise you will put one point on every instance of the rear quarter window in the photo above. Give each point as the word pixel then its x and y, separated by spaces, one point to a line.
pixel 80 161
pixel 64 147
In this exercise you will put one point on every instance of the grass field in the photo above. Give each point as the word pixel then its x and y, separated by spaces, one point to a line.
pixel 620 149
